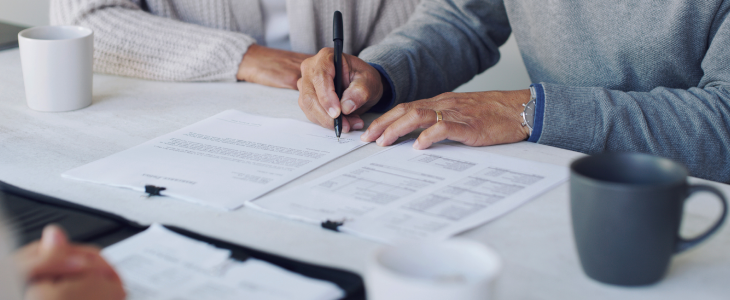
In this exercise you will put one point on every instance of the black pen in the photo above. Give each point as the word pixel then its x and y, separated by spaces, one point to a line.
pixel 338 37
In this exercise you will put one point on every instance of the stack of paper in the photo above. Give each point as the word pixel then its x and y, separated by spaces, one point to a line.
pixel 162 265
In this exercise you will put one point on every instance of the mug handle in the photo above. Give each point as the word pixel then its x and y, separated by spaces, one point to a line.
pixel 684 244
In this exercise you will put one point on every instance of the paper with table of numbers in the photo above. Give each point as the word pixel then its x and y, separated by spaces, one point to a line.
pixel 222 161
pixel 163 265
pixel 405 194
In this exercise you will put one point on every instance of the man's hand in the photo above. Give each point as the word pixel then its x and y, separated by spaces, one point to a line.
pixel 272 67
pixel 56 269
pixel 317 97
pixel 475 119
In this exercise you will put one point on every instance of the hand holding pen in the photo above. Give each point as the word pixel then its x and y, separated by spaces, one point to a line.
pixel 320 102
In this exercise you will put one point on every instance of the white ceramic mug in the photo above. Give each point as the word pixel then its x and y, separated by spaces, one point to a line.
pixel 57 67
pixel 454 269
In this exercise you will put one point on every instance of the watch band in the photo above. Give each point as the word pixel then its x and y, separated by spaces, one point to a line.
pixel 530 105
pixel 533 94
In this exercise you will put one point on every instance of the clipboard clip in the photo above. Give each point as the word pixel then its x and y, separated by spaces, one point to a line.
pixel 152 190
pixel 332 225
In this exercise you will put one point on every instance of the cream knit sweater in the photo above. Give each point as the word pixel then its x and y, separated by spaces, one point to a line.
pixel 204 40
pixel 10 279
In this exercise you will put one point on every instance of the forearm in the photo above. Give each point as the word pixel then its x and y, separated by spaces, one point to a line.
pixel 690 126
pixel 444 44
pixel 131 42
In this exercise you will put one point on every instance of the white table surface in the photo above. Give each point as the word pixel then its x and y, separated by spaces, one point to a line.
pixel 535 241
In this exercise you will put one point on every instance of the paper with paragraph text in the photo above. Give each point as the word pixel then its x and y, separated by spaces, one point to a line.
pixel 222 161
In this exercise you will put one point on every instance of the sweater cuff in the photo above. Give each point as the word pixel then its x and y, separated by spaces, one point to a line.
pixel 539 113
pixel 396 66
pixel 169 50
pixel 387 101
pixel 234 52
pixel 569 118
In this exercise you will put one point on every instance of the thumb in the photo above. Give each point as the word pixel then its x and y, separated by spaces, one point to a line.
pixel 53 257
pixel 53 240
pixel 364 90
pixel 358 95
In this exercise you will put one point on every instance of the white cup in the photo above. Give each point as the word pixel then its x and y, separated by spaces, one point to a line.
pixel 57 67
pixel 454 269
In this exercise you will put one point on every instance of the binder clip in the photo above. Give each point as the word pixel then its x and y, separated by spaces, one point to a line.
pixel 332 225
pixel 152 190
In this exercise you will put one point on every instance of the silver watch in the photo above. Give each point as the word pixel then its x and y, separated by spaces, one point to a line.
pixel 528 114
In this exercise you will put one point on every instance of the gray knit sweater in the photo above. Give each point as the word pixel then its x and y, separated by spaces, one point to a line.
pixel 204 40
pixel 623 75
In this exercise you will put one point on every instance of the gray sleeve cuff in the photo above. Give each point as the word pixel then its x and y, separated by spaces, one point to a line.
pixel 395 65
pixel 569 118
pixel 539 113
pixel 386 101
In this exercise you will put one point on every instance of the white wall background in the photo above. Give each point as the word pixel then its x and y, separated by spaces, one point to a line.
pixel 24 12
pixel 508 74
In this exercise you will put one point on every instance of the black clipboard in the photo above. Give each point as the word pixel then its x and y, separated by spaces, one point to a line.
pixel 28 212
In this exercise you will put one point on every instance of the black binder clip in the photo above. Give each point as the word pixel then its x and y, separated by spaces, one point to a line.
pixel 152 190
pixel 332 225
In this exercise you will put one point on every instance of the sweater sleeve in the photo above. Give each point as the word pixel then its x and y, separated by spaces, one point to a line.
pixel 10 279
pixel 688 125
pixel 131 42
pixel 443 44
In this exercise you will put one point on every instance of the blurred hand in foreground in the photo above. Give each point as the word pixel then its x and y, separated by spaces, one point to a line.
pixel 56 269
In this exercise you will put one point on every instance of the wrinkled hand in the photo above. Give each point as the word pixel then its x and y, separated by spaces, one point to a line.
pixel 272 67
pixel 474 119
pixel 317 98
pixel 55 269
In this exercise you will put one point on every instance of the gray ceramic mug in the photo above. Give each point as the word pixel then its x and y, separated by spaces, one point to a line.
pixel 626 210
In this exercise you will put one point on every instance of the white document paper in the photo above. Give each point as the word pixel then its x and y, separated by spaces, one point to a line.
pixel 406 194
pixel 223 160
pixel 162 265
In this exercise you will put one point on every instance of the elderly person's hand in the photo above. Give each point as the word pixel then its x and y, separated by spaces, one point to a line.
pixel 475 119
pixel 55 269
pixel 317 98
pixel 272 67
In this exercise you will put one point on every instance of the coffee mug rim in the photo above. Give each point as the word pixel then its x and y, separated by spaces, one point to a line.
pixel 491 255
pixel 622 186
pixel 21 35
pixel 607 183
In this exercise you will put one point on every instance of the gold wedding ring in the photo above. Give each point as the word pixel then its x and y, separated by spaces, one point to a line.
pixel 439 117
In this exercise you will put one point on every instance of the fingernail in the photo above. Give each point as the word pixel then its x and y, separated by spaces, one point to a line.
pixel 348 106
pixel 333 112
pixel 379 140
pixel 415 145
pixel 51 237
pixel 358 126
